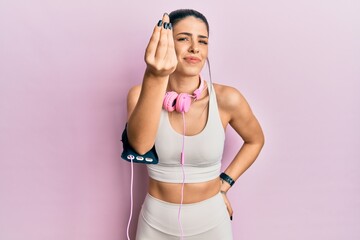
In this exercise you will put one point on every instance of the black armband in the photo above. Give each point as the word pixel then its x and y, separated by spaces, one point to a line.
pixel 227 179
pixel 129 154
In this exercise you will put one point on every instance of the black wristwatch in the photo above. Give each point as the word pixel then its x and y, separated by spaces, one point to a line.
pixel 227 178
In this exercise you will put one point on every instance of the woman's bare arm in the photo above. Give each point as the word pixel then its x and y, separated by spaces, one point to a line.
pixel 144 102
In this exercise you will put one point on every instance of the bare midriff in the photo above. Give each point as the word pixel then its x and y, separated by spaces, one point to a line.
pixel 193 192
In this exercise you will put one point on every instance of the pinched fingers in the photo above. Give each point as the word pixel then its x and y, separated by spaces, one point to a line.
pixel 171 58
pixel 163 40
pixel 160 53
pixel 154 40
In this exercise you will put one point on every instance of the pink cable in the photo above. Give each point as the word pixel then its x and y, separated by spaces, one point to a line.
pixel 131 198
pixel 182 187
pixel 183 182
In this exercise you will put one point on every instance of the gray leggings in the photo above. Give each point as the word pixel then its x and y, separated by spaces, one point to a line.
pixel 208 220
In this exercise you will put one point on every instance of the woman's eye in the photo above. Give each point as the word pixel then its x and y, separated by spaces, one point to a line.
pixel 203 42
pixel 182 39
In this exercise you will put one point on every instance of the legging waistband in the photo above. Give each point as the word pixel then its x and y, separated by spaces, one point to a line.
pixel 196 218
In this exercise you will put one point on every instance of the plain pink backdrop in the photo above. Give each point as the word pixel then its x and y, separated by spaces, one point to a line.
pixel 66 67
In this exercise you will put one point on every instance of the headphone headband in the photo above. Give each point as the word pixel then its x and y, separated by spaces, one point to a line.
pixel 181 102
pixel 198 91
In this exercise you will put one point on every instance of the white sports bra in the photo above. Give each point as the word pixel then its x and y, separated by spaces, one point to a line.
pixel 203 151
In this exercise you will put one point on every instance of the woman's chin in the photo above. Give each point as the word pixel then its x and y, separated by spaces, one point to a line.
pixel 188 71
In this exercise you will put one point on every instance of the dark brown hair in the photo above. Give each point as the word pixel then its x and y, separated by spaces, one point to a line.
pixel 177 15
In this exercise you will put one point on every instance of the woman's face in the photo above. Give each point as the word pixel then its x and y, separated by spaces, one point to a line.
pixel 191 45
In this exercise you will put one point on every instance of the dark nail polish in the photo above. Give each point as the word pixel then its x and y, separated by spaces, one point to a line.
pixel 170 26
pixel 165 14
pixel 231 218
pixel 159 23
pixel 166 25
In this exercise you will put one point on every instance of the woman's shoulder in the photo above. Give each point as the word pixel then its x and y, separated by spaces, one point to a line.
pixel 228 97
pixel 134 91
pixel 135 88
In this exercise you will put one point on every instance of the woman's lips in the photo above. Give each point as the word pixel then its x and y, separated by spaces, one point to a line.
pixel 192 59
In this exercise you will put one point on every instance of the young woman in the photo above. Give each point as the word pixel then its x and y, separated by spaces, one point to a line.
pixel 182 118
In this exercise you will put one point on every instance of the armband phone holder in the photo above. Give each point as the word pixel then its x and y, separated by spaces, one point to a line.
pixel 129 154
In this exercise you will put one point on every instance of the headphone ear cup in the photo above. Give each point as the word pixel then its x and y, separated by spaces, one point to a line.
pixel 183 102
pixel 170 101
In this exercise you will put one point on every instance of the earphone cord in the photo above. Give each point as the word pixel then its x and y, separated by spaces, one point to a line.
pixel 182 186
pixel 183 182
pixel 131 198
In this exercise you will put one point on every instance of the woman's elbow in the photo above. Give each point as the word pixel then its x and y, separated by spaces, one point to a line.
pixel 141 147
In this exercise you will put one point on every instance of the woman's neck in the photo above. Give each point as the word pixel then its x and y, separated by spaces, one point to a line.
pixel 183 84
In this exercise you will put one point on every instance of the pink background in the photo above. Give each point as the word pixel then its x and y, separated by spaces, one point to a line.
pixel 66 67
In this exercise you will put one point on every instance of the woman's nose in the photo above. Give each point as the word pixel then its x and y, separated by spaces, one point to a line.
pixel 194 48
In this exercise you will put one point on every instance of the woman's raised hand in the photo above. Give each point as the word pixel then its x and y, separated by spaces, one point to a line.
pixel 160 55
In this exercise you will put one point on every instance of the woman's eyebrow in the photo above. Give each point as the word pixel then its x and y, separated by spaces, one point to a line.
pixel 190 35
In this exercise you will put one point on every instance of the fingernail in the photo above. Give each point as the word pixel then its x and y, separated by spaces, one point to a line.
pixel 165 14
pixel 231 218
pixel 170 26
pixel 166 25
pixel 159 23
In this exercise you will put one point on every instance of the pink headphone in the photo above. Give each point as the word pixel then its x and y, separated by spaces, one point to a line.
pixel 181 102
